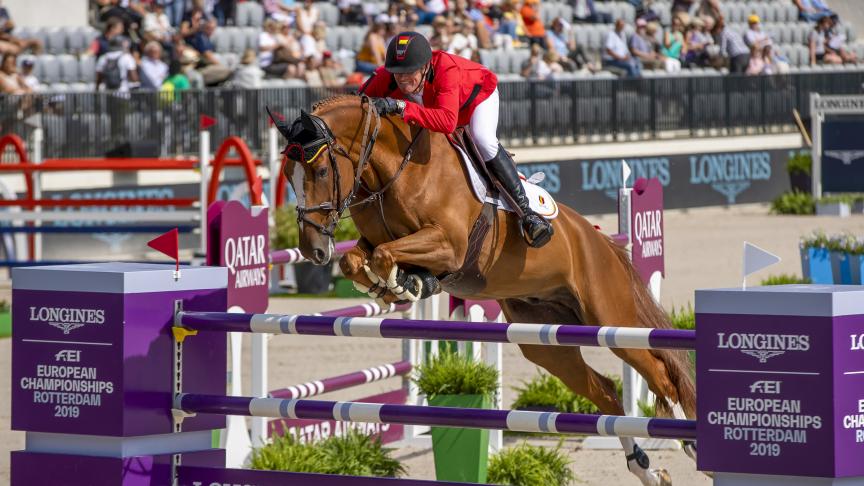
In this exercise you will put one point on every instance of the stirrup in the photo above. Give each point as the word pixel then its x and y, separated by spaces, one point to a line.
pixel 541 239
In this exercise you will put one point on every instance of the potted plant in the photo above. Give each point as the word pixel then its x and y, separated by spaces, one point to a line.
pixel 835 205
pixel 452 380
pixel 799 168
pixel 528 465
pixel 858 204
pixel 816 258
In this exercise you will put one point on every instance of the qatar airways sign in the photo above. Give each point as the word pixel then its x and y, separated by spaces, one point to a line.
pixel 646 224
pixel 244 249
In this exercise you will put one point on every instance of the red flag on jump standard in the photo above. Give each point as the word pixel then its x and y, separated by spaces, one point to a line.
pixel 169 244
pixel 205 122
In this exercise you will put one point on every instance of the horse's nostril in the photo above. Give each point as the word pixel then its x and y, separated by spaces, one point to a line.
pixel 319 254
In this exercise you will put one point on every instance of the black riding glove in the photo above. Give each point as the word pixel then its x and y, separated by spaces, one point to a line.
pixel 388 106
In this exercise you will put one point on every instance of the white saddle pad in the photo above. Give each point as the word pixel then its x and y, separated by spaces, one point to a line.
pixel 541 202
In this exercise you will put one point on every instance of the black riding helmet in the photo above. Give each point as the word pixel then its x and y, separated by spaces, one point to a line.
pixel 407 52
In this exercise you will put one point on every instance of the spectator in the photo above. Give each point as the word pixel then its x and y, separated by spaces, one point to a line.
pixel 10 43
pixel 157 26
pixel 248 75
pixel 836 42
pixel 427 10
pixel 774 64
pixel 153 69
pixel 482 28
pixel 585 11
pixel 508 23
pixel 464 42
pixel 754 35
pixel 30 79
pixel 644 48
pixel 176 80
pixel 189 60
pixel 535 67
pixel 175 10
pixel 534 29
pixel 571 56
pixel 551 59
pixel 116 69
pixel 113 28
pixel 732 47
pixel 282 11
pixel 196 32
pixel 617 55
pixel 223 10
pixel 698 39
pixel 818 42
pixel 682 6
pixel 314 45
pixel 307 16
pixel 131 13
pixel 812 10
pixel 709 8
pixel 674 48
pixel 756 64
pixel 11 82
pixel 332 72
pixel 441 29
pixel 372 52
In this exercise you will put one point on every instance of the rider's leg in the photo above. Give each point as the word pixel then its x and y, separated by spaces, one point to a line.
pixel 483 127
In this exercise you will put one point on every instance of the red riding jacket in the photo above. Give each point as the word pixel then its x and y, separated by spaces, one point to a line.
pixel 450 93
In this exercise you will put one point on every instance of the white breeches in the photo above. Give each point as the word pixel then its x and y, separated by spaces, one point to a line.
pixel 483 126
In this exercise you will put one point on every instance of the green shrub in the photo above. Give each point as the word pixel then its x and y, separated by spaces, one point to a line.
pixel 684 318
pixel 784 279
pixel 838 199
pixel 647 409
pixel 449 373
pixel 794 202
pixel 547 391
pixel 353 454
pixel 527 465
pixel 285 232
pixel 800 163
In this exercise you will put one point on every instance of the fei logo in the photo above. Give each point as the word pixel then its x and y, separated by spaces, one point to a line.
pixel 68 356
pixel 763 346
pixel 766 387
pixel 730 173
pixel 67 319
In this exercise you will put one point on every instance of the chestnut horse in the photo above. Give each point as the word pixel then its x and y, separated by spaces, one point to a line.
pixel 344 156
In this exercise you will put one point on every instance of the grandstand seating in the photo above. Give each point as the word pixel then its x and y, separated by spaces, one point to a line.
pixel 66 65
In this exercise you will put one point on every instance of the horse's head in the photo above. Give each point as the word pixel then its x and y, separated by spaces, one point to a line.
pixel 321 172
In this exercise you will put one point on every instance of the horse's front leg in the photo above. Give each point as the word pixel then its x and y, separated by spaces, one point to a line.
pixel 429 249
pixel 355 266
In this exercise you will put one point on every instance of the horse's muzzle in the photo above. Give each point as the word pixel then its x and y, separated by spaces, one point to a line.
pixel 322 256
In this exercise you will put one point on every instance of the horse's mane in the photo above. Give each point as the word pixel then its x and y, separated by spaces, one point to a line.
pixel 334 100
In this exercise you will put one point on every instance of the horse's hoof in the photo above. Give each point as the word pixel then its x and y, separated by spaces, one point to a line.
pixel 403 285
pixel 658 477
pixel 690 449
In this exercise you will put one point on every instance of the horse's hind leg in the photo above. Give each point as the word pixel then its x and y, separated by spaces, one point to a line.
pixel 567 363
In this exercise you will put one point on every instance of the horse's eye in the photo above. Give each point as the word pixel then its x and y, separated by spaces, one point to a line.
pixel 321 173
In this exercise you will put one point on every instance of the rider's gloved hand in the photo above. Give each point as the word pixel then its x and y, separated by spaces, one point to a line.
pixel 388 106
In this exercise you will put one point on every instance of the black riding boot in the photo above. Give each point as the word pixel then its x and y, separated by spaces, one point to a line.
pixel 536 230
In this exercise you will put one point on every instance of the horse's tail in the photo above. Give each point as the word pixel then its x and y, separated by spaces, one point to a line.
pixel 650 314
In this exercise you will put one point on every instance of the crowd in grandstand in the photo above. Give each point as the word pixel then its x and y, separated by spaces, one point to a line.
pixel 172 44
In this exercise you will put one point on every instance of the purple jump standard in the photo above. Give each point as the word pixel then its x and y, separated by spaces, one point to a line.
pixel 513 420
pixel 548 334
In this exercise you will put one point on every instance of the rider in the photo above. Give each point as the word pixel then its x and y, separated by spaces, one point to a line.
pixel 441 91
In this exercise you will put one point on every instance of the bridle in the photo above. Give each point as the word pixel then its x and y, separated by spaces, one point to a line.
pixel 325 138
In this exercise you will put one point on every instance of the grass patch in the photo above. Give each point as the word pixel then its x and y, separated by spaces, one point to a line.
pixel 527 465
pixel 784 279
pixel 548 392
pixel 354 454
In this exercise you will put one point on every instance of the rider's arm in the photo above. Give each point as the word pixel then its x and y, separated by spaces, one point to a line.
pixel 443 113
pixel 378 85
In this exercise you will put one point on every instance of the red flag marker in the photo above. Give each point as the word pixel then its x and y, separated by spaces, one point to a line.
pixel 205 122
pixel 169 244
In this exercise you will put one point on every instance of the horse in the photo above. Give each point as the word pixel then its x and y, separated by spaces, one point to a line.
pixel 409 197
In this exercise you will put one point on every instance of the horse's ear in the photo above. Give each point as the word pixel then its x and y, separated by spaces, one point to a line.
pixel 279 122
pixel 307 122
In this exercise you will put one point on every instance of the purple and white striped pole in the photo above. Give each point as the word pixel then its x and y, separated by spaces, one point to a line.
pixel 369 309
pixel 513 420
pixel 293 255
pixel 516 333
pixel 348 380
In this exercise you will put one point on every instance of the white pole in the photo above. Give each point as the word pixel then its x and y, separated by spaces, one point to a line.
pixel 259 385
pixel 204 166
pixel 273 161
pixel 38 137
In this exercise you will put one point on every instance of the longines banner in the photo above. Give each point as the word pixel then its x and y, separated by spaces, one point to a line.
pixel 709 179
pixel 843 154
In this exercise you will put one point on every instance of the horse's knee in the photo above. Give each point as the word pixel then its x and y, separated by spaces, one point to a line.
pixel 382 261
pixel 351 263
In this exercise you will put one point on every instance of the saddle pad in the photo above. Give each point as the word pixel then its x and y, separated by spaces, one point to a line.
pixel 540 200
